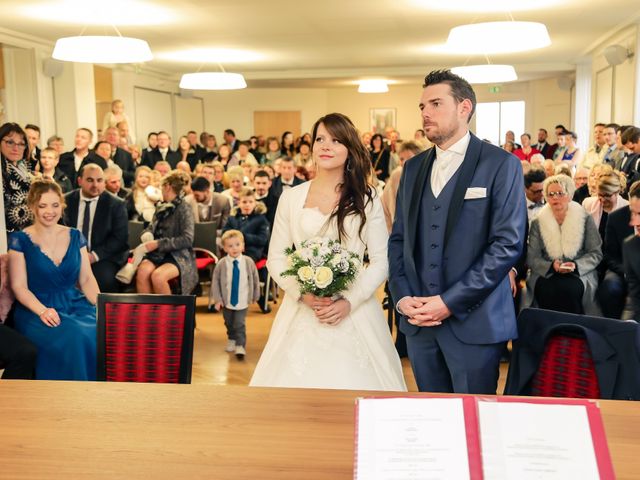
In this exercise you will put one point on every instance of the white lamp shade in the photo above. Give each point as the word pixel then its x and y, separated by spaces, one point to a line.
pixel 212 81
pixel 497 37
pixel 486 73
pixel 373 86
pixel 102 49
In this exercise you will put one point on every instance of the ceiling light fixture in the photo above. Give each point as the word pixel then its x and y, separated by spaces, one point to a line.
pixel 497 37
pixel 102 49
pixel 373 86
pixel 212 81
pixel 486 73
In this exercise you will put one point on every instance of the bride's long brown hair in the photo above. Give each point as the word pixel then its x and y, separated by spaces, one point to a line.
pixel 355 190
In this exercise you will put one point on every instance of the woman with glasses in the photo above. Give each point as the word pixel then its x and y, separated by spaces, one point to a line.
pixel 563 252
pixel 16 178
pixel 607 199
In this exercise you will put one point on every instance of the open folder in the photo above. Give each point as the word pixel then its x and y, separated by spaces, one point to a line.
pixel 477 438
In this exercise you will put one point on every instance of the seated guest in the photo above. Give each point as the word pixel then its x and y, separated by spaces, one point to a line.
pixel 612 292
pixel 211 149
pixel 534 192
pixel 162 152
pixel 113 182
pixel 526 151
pixel 580 178
pixel 380 157
pixel 70 162
pixel 236 184
pixel 563 169
pixel 102 219
pixel 590 189
pixel 631 253
pixel 209 206
pixel 141 201
pixel 100 155
pixel 170 255
pixel 163 168
pixel 262 187
pixel 119 155
pixel 57 143
pixel 406 150
pixel 242 156
pixel 52 281
pixel 49 168
pixel 224 155
pixel 607 199
pixel 287 177
pixel 152 143
pixel 563 252
pixel 549 168
pixel 572 154
pixel 273 151
pixel 249 217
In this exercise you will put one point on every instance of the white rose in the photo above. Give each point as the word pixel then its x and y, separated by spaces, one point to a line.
pixel 323 277
pixel 305 273
pixel 324 251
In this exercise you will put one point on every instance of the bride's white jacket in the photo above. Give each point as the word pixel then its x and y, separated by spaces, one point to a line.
pixel 366 311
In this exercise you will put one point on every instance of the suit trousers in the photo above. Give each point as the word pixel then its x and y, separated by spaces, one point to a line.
pixel 442 363
pixel 105 273
pixel 17 354
pixel 235 321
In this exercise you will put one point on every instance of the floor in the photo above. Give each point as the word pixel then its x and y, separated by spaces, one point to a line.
pixel 211 364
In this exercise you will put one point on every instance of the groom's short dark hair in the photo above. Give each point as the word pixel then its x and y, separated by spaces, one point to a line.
pixel 460 88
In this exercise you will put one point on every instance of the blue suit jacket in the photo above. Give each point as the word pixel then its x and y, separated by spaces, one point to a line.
pixel 484 238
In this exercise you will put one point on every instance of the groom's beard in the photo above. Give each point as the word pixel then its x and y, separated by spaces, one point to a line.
pixel 442 134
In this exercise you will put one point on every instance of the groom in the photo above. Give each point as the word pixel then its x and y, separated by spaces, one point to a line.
pixel 459 229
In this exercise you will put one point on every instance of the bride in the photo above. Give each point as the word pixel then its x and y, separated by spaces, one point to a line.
pixel 318 342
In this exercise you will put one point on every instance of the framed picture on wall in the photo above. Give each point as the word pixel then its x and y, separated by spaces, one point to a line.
pixel 381 118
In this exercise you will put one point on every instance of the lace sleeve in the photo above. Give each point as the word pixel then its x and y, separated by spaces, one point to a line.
pixel 15 241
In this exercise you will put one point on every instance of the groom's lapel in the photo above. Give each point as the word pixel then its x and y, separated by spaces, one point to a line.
pixel 419 185
pixel 467 169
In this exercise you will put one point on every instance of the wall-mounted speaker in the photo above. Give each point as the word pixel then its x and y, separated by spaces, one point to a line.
pixel 616 54
pixel 52 68
pixel 565 83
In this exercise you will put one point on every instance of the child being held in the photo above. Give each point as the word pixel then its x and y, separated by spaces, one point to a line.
pixel 234 286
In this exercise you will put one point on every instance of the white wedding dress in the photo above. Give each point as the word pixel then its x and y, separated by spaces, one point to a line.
pixel 356 354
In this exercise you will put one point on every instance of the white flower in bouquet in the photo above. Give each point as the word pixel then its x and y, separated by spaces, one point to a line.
pixel 323 277
pixel 316 261
pixel 324 251
pixel 306 273
pixel 344 265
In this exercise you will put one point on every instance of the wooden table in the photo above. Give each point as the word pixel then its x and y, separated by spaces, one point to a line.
pixel 75 430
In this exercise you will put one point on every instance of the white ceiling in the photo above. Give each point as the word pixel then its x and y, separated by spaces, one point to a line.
pixel 332 43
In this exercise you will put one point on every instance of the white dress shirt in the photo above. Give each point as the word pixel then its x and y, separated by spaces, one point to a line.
pixel 533 209
pixel 447 163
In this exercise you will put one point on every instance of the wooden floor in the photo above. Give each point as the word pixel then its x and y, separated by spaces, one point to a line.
pixel 211 364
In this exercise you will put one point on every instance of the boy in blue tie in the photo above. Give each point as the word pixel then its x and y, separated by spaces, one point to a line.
pixel 234 286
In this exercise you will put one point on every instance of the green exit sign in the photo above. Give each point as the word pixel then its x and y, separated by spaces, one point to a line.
pixel 494 89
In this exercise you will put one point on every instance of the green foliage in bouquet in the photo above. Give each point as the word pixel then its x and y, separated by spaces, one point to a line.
pixel 322 267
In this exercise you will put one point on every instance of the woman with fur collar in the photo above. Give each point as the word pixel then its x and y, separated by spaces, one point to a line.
pixel 563 252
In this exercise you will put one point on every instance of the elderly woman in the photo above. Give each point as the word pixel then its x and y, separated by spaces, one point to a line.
pixel 16 178
pixel 170 255
pixel 563 252
pixel 607 199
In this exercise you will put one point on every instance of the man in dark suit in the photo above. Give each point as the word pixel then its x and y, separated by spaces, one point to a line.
pixel 631 252
pixel 113 182
pixel 287 178
pixel 230 139
pixel 543 146
pixel 33 139
pixel 102 218
pixel 162 152
pixel 262 187
pixel 152 143
pixel 196 151
pixel 120 157
pixel 459 229
pixel 70 162
pixel 631 141
pixel 614 154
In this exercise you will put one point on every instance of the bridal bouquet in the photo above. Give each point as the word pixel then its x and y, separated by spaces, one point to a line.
pixel 322 267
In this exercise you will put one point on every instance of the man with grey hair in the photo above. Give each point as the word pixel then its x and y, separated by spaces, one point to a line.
pixel 113 181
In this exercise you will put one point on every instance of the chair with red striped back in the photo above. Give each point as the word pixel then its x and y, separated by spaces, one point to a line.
pixel 145 338
pixel 566 369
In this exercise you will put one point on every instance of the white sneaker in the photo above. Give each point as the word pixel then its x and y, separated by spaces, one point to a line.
pixel 240 352
pixel 231 346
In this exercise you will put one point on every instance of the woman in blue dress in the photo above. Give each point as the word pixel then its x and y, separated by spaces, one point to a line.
pixel 56 290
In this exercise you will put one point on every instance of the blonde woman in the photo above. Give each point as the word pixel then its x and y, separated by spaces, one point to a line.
pixel 607 199
pixel 236 184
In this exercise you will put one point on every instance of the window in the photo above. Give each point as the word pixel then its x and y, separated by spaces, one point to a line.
pixel 495 118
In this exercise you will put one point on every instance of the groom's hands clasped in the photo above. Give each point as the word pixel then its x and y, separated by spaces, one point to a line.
pixel 424 311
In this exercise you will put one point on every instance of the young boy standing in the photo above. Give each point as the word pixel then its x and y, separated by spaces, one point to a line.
pixel 234 286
